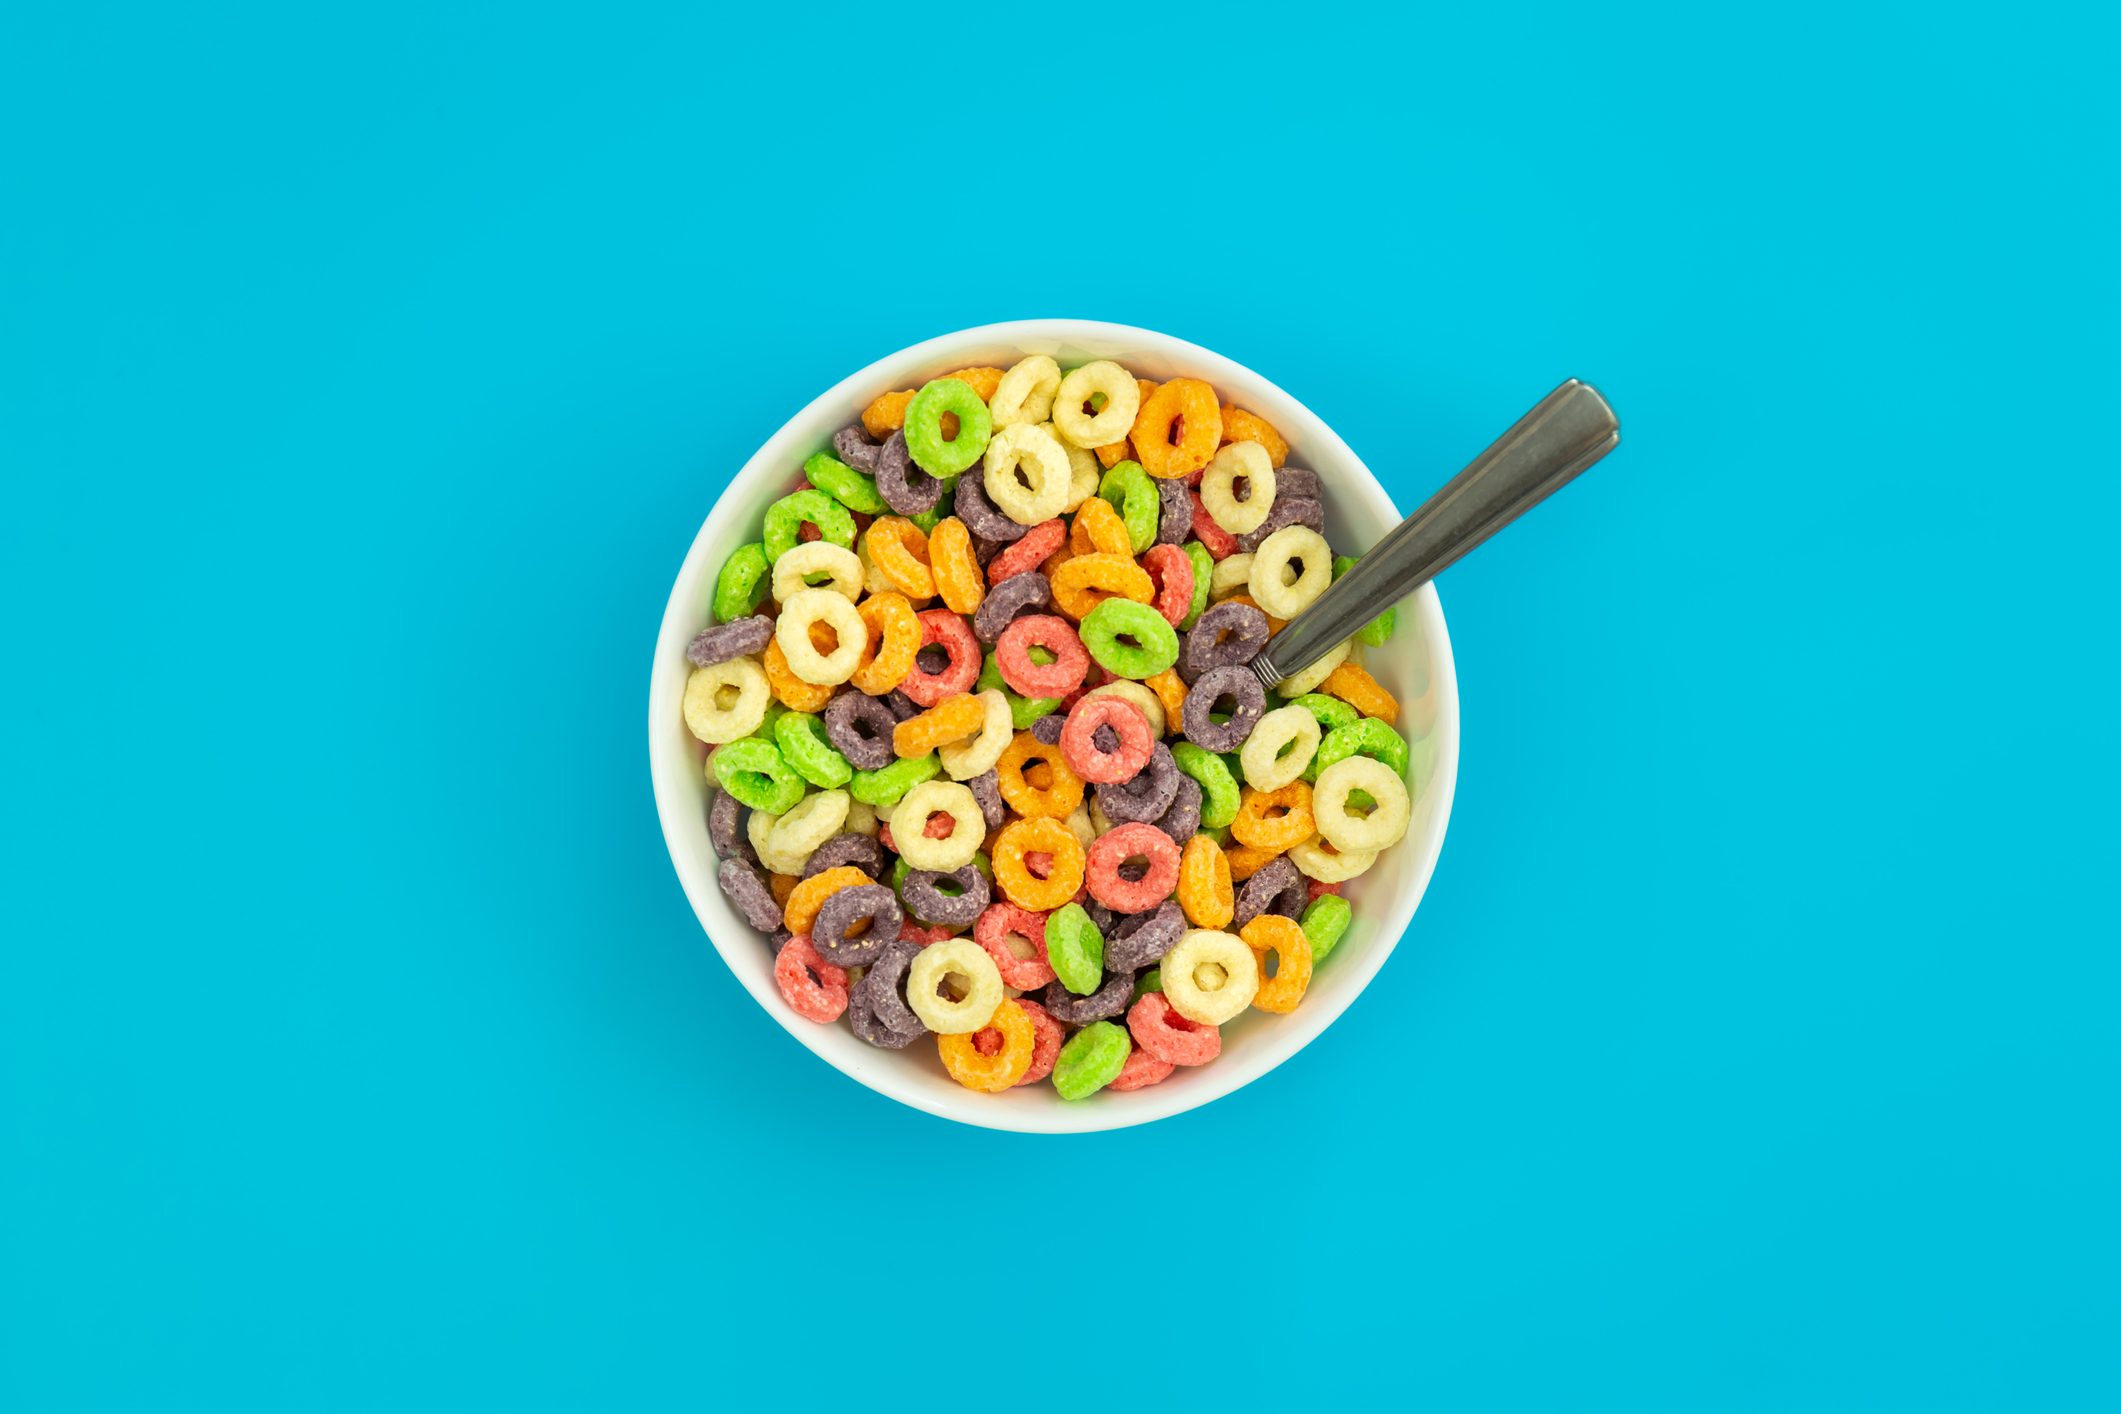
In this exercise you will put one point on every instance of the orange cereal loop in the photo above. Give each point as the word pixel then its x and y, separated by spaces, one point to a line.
pixel 1245 860
pixel 1035 782
pixel 894 637
pixel 793 692
pixel 1099 530
pixel 807 897
pixel 1275 820
pixel 1242 426
pixel 1113 453
pixel 900 553
pixel 1274 625
pixel 955 567
pixel 1270 932
pixel 1170 689
pixel 1178 429
pixel 1089 580
pixel 1352 684
pixel 1013 876
pixel 887 414
pixel 951 719
pixel 782 885
pixel 1204 890
pixel 982 381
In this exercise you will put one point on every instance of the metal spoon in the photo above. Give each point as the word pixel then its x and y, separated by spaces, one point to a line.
pixel 1544 450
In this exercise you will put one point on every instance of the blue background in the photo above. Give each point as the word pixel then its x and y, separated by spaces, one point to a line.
pixel 367 370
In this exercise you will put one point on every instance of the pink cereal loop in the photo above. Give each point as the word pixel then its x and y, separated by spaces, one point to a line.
pixel 1101 868
pixel 940 626
pixel 1165 1034
pixel 1171 571
pixel 1078 740
pixel 999 923
pixel 1012 656
pixel 1141 1071
pixel 1045 1047
pixel 1028 553
pixel 812 986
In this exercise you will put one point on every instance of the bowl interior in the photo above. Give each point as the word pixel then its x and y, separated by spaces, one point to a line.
pixel 1415 666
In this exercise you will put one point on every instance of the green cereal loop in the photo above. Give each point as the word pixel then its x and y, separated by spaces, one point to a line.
pixel 804 745
pixel 775 710
pixel 884 787
pixel 1150 981
pixel 785 517
pixel 1218 788
pixel 924 427
pixel 1023 711
pixel 1330 711
pixel 981 862
pixel 928 520
pixel 741 584
pixel 897 878
pixel 1324 922
pixel 1219 833
pixel 1368 737
pixel 1134 496
pixel 1075 949
pixel 1092 1059
pixel 1379 629
pixel 844 484
pixel 756 774
pixel 1156 641
pixel 1203 571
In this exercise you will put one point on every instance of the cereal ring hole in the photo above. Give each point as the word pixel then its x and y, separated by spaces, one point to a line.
pixel 1210 977
pixel 932 659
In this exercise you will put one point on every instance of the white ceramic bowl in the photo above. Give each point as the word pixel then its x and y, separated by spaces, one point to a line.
pixel 1416 667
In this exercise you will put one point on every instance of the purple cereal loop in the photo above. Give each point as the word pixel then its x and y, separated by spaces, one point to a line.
pixel 1248 703
pixel 984 550
pixel 1112 997
pixel 860 728
pixel 1048 728
pixel 905 487
pixel 930 905
pixel 851 445
pixel 1229 634
pixel 1141 939
pixel 839 912
pixel 746 888
pixel 725 829
pixel 1174 512
pixel 1102 916
pixel 1182 821
pixel 978 513
pixel 733 640
pixel 986 788
pixel 857 851
pixel 1276 888
pixel 1018 594
pixel 780 939
pixel 1288 511
pixel 1147 795
pixel 1299 484
pixel 876 1007
pixel 902 707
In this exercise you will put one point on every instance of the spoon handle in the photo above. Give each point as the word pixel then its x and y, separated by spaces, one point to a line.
pixel 1567 430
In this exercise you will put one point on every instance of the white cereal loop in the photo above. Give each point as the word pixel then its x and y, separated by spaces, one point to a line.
pixel 874 580
pixel 963 760
pixel 1276 587
pixel 1086 471
pixel 954 987
pixel 1233 575
pixel 1210 976
pixel 1150 704
pixel 1383 827
pixel 1123 400
pixel 792 631
pixel 1218 488
pixel 1027 474
pixel 1297 684
pixel 815 819
pixel 1280 747
pixel 1100 823
pixel 792 571
pixel 909 826
pixel 760 828
pixel 861 819
pixel 1315 859
pixel 726 700
pixel 1082 826
pixel 1025 393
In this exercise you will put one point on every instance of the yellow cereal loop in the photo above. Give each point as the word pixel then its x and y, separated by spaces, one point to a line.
pixel 1025 392
pixel 725 701
pixel 1297 684
pixel 1316 859
pixel 800 569
pixel 1210 977
pixel 1239 461
pixel 1084 470
pixel 1232 575
pixel 964 759
pixel 791 633
pixel 1026 474
pixel 909 826
pixel 1097 404
pixel 814 819
pixel 1291 568
pixel 954 987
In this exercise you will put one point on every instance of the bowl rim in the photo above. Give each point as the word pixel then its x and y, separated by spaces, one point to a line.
pixel 678 624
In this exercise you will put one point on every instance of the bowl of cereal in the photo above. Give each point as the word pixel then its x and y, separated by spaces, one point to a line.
pixel 956 753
